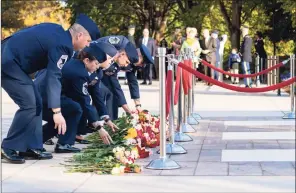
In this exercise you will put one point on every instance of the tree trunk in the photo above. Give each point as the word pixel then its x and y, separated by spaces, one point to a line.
pixel 162 28
pixel 236 23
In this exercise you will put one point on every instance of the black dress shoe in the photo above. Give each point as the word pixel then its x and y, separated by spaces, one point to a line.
pixel 38 154
pixel 65 149
pixel 150 83
pixel 82 141
pixel 49 142
pixel 11 156
pixel 144 83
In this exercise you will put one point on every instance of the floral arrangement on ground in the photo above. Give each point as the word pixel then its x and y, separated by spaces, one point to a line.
pixel 136 135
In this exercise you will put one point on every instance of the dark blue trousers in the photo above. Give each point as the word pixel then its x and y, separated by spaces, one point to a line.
pixel 72 112
pixel 148 70
pixel 111 104
pixel 25 131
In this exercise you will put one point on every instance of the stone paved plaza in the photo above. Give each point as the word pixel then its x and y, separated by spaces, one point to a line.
pixel 242 144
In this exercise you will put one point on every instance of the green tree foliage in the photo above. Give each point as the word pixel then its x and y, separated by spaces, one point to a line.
pixel 20 14
pixel 115 16
pixel 163 16
pixel 289 6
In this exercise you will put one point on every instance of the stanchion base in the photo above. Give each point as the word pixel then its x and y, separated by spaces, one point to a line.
pixel 174 149
pixel 192 121
pixel 182 137
pixel 290 115
pixel 163 164
pixel 186 128
pixel 196 116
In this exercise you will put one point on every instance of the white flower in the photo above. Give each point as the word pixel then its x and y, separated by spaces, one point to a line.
pixel 138 127
pixel 130 162
pixel 114 150
pixel 118 149
pixel 121 168
pixel 127 153
pixel 115 171
pixel 117 155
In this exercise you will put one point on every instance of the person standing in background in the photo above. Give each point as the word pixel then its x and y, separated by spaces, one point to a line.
pixel 177 41
pixel 131 33
pixel 131 38
pixel 245 52
pixel 193 43
pixel 208 45
pixel 150 44
pixel 214 35
pixel 260 51
pixel 223 41
pixel 233 65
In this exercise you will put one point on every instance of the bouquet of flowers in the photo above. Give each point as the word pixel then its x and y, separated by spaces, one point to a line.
pixel 147 127
pixel 117 158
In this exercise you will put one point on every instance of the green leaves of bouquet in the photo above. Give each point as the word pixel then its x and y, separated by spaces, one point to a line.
pixel 98 157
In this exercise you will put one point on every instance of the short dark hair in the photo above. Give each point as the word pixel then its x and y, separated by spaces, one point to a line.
pixel 258 33
pixel 83 54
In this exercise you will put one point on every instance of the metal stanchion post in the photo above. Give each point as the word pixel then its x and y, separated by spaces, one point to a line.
pixel 186 127
pixel 261 68
pixel 274 71
pixel 196 116
pixel 172 147
pixel 278 74
pixel 163 163
pixel 180 136
pixel 190 119
pixel 268 74
pixel 291 114
pixel 257 70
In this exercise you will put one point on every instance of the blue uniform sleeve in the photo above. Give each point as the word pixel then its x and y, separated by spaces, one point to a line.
pixel 98 99
pixel 133 85
pixel 57 57
pixel 117 91
pixel 81 89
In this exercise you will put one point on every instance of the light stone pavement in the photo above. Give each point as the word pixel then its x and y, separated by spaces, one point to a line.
pixel 202 168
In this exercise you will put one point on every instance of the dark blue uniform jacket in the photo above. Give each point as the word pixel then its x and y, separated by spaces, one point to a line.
pixel 47 46
pixel 76 81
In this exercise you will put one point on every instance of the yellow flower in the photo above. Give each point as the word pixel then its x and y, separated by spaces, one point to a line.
pixel 131 133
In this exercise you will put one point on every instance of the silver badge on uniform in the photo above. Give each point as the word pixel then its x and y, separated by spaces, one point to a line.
pixel 62 61
pixel 84 88
pixel 114 40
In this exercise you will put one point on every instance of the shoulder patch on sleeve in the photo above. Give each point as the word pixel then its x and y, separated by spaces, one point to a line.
pixel 84 88
pixel 114 40
pixel 61 62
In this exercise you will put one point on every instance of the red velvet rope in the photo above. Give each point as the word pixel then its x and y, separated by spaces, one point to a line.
pixel 177 85
pixel 186 77
pixel 242 75
pixel 169 85
pixel 235 88
pixel 190 75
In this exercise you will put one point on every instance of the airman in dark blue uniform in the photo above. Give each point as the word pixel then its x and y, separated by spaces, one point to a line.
pixel 41 46
pixel 76 82
pixel 129 59
pixel 71 111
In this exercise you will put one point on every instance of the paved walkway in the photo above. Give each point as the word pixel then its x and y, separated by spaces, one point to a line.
pixel 242 144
